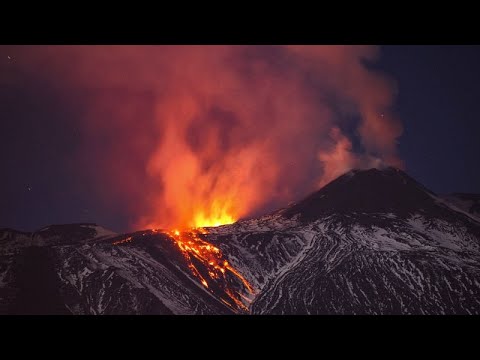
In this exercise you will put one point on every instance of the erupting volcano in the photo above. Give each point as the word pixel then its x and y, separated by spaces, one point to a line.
pixel 198 136
pixel 237 179
pixel 370 242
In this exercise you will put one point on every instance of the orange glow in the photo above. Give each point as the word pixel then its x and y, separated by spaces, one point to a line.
pixel 219 219
pixel 212 260
pixel 123 241
pixel 199 136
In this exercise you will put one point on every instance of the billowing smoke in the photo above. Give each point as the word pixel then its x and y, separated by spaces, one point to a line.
pixel 204 135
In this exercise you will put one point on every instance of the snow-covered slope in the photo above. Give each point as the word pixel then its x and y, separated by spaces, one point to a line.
pixel 370 242
pixel 415 266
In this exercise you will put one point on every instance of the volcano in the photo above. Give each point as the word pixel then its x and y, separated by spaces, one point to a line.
pixel 370 242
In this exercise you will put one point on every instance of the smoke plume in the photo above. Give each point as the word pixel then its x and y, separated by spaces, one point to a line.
pixel 186 136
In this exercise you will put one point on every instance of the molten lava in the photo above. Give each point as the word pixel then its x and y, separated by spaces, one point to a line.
pixel 201 220
pixel 123 241
pixel 207 263
pixel 215 270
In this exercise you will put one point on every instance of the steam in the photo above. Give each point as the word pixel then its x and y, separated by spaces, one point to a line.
pixel 202 135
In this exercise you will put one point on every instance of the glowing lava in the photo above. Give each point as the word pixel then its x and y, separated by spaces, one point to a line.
pixel 216 271
pixel 201 220
pixel 207 263
pixel 123 241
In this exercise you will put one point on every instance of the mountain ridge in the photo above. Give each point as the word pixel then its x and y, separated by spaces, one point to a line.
pixel 369 242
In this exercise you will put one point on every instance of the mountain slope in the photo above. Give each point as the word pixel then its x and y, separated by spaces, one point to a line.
pixel 469 203
pixel 370 242
pixel 374 242
pixel 371 270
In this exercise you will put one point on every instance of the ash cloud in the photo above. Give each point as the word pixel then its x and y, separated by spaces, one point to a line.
pixel 184 135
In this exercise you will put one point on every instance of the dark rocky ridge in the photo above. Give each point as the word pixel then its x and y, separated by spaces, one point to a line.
pixel 365 191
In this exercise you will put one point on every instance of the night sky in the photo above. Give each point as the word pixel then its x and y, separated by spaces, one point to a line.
pixel 437 101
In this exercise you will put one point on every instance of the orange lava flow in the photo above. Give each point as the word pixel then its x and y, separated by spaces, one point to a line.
pixel 207 263
pixel 123 241
pixel 217 268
